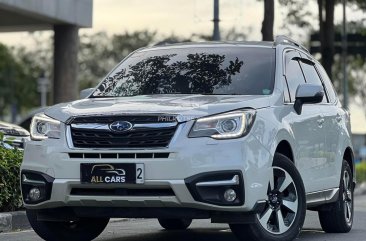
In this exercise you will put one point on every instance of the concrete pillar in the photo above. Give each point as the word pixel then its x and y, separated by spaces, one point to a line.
pixel 66 44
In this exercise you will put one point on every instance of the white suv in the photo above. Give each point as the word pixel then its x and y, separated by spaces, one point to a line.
pixel 247 133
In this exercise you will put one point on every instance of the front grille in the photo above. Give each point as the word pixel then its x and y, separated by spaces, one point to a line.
pixel 135 138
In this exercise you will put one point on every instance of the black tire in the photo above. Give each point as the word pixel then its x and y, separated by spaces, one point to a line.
pixel 277 206
pixel 85 229
pixel 175 223
pixel 335 220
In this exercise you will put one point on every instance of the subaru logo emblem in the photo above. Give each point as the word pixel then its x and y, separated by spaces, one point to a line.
pixel 120 126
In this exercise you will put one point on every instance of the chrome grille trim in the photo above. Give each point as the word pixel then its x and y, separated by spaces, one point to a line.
pixel 97 126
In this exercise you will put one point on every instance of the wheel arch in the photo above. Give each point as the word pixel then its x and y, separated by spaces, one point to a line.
pixel 349 158
pixel 284 148
pixel 284 143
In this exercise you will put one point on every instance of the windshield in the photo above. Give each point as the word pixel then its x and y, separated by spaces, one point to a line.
pixel 192 70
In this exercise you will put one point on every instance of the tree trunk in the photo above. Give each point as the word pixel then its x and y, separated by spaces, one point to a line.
pixel 327 42
pixel 66 44
pixel 321 23
pixel 268 20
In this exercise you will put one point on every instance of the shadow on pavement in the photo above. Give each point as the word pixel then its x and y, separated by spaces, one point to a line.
pixel 211 234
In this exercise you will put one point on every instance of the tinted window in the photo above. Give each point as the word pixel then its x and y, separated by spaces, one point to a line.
pixel 328 84
pixel 192 70
pixel 294 74
pixel 312 77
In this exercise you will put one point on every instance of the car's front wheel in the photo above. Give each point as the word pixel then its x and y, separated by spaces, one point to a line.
pixel 284 212
pixel 83 229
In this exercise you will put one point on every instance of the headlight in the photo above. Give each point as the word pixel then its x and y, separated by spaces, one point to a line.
pixel 43 127
pixel 224 126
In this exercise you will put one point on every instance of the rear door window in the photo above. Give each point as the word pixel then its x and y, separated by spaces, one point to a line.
pixel 312 77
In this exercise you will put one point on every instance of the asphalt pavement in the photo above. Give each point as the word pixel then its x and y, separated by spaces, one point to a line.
pixel 201 230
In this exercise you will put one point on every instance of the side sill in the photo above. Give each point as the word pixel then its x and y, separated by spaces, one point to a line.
pixel 318 198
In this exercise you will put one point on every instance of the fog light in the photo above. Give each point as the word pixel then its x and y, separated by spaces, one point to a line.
pixel 230 195
pixel 35 194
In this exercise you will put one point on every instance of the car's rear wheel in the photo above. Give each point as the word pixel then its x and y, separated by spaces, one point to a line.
pixel 339 217
pixel 175 223
pixel 83 229
pixel 284 212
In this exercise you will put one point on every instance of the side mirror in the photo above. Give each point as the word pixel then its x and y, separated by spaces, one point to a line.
pixel 308 94
pixel 86 92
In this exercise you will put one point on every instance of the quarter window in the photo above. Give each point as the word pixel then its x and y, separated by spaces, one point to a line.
pixel 328 84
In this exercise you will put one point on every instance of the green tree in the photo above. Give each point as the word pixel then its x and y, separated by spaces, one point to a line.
pixel 20 67
pixel 99 53
pixel 18 86
pixel 298 13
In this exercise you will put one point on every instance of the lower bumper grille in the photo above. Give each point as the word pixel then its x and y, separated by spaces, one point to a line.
pixel 121 192
pixel 76 155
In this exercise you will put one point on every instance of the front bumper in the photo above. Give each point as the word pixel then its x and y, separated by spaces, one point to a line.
pixel 187 158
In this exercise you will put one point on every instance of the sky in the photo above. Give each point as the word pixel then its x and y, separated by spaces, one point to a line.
pixel 183 18
pixel 187 17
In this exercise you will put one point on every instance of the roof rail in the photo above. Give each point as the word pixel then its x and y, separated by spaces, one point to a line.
pixel 282 39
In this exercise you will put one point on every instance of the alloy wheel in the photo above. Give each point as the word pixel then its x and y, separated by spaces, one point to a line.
pixel 282 203
pixel 347 196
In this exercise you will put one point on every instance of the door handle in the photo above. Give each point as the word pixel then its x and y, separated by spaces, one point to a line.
pixel 338 117
pixel 320 121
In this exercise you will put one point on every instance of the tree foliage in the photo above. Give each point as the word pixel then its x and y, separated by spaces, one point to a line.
pixel 10 196
pixel 99 53
pixel 299 14
pixel 17 81
pixel 20 67
pixel 155 75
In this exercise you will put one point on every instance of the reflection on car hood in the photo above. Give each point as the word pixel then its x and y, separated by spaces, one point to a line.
pixel 13 130
pixel 188 106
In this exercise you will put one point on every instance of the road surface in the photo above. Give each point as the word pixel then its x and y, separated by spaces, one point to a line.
pixel 149 230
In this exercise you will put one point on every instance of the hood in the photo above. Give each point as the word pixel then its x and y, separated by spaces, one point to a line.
pixel 13 130
pixel 187 106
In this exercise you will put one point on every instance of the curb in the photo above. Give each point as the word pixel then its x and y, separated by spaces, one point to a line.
pixel 12 221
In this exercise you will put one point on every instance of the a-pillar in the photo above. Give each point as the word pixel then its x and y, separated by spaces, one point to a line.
pixel 66 44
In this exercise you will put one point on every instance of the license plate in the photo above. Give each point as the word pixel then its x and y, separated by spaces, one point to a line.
pixel 130 173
